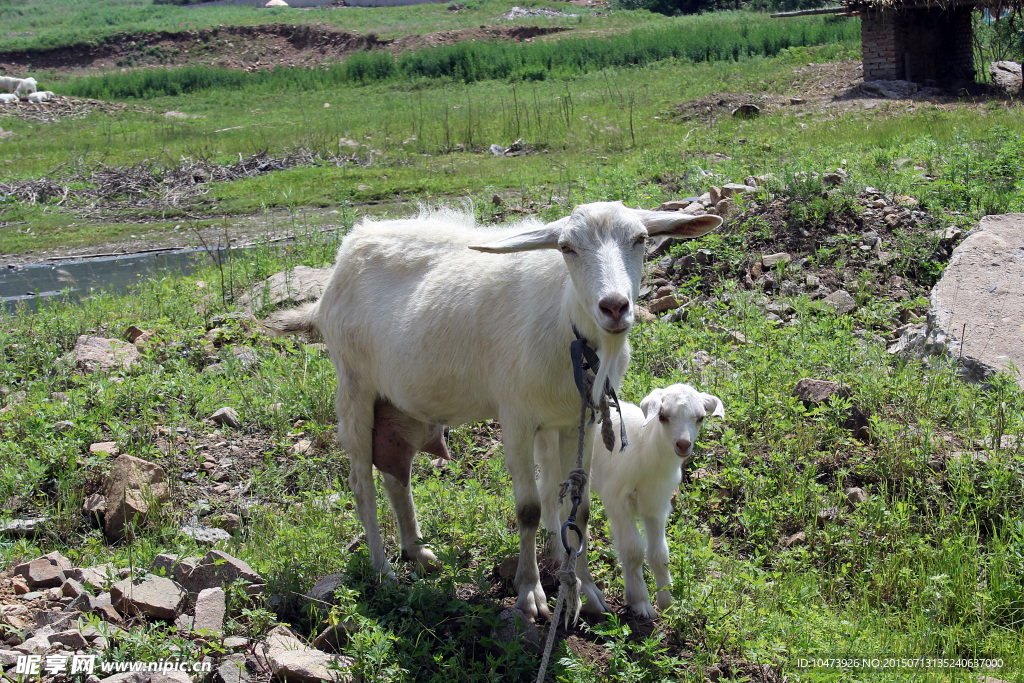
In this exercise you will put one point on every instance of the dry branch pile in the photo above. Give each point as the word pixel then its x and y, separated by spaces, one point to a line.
pixel 102 190
pixel 61 108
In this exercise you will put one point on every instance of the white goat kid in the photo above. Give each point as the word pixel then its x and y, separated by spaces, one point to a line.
pixel 638 483
pixel 8 98
pixel 40 96
pixel 420 324
pixel 26 87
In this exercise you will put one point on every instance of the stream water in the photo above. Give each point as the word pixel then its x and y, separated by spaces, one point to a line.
pixel 73 279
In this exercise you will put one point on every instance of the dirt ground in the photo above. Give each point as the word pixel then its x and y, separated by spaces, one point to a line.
pixel 243 47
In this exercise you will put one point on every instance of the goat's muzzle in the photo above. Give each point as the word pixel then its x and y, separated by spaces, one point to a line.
pixel 617 313
pixel 683 447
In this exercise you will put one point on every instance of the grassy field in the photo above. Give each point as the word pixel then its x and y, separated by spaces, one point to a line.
pixel 932 564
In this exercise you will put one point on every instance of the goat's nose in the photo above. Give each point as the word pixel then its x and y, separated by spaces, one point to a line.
pixel 683 447
pixel 615 306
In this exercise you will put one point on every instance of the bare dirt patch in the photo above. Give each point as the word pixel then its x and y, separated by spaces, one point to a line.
pixel 832 89
pixel 243 47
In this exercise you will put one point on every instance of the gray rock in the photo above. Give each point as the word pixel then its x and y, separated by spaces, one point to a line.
pixel 515 626
pixel 71 640
pixel 323 590
pixel 44 572
pixel 892 90
pixel 227 416
pixel 36 645
pixel 769 260
pixel 32 526
pixel 299 284
pixel 204 534
pixel 72 589
pixel 976 312
pixel 133 489
pixel 1006 76
pixel 97 354
pixel 814 392
pixel 210 609
pixel 797 539
pixel 215 570
pixel 292 660
pixel 8 658
pixel 232 670
pixel 855 495
pixel 665 303
pixel 95 506
pixel 842 301
pixel 151 596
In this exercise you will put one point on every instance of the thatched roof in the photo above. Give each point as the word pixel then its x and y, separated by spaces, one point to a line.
pixel 996 6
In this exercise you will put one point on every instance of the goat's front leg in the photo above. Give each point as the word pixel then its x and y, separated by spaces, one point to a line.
pixel 355 434
pixel 657 558
pixel 518 442
pixel 408 527
pixel 630 549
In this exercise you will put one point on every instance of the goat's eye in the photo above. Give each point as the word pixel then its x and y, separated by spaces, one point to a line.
pixel 700 420
pixel 663 418
pixel 566 249
pixel 640 240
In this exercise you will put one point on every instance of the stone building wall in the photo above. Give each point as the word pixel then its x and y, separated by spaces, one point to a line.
pixel 918 45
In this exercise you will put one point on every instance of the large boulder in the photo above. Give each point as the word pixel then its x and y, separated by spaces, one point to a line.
pixel 133 490
pixel 977 308
pixel 97 354
pixel 1006 76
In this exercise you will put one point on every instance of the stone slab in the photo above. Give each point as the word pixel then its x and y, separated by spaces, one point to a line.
pixel 977 308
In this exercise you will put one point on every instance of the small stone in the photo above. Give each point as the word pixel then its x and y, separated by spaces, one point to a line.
pixel 746 111
pixel 44 572
pixel 855 495
pixel 133 489
pixel 833 179
pixel 204 534
pixel 842 301
pixel 323 590
pixel 23 527
pixel 227 416
pixel 95 506
pixel 229 522
pixel 210 609
pixel 517 627
pixel 724 207
pixel 71 640
pixel 769 260
pixel 300 447
pixel 152 596
pixel 63 426
pixel 797 539
pixel 20 587
pixel 666 303
pixel 107 447
pixel 72 589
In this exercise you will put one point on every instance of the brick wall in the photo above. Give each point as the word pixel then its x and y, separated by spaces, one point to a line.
pixel 917 44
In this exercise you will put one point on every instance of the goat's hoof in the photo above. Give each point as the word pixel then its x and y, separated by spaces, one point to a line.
pixel 664 600
pixel 425 560
pixel 594 604
pixel 644 609
pixel 534 603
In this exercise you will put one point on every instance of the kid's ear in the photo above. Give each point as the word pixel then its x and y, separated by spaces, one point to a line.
pixel 713 405
pixel 651 405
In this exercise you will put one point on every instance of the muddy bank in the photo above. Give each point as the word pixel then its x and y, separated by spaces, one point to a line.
pixel 243 47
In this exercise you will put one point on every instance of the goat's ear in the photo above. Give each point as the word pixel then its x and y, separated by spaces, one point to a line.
pixel 542 238
pixel 678 224
pixel 713 405
pixel 651 406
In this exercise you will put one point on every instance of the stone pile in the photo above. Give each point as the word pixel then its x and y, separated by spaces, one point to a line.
pixel 60 614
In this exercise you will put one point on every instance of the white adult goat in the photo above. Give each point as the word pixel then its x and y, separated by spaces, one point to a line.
pixel 639 483
pixel 9 98
pixel 9 83
pixel 425 330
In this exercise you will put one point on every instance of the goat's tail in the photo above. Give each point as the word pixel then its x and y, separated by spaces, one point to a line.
pixel 293 320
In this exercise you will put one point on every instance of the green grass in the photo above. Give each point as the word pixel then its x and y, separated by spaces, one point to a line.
pixel 725 37
pixel 930 565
